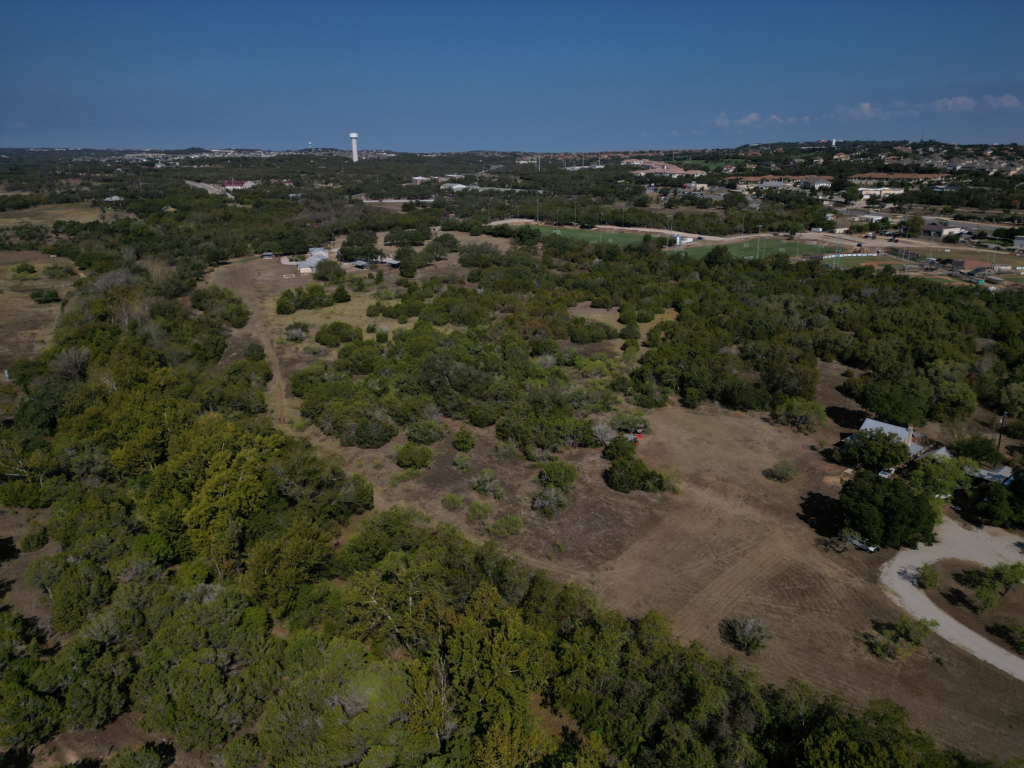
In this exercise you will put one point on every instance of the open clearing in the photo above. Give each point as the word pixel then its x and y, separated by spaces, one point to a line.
pixel 47 214
pixel 27 326
pixel 729 543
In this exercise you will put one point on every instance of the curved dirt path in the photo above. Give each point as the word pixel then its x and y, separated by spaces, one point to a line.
pixel 986 546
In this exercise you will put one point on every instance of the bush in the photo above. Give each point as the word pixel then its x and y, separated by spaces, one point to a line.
pixel 980 449
pixel 464 440
pixel 36 538
pixel 549 503
pixel 749 634
pixel 805 415
pixel 783 471
pixel 902 640
pixel 57 271
pixel 44 297
pixel 625 475
pixel 336 334
pixel 927 577
pixel 255 352
pixel 340 295
pixel 382 337
pixel 620 447
pixel 24 268
pixel 630 421
pixel 425 432
pixel 461 462
pixel 296 331
pixel 414 456
pixel 477 511
pixel 487 485
pixel 508 525
pixel 451 501
pixel 558 474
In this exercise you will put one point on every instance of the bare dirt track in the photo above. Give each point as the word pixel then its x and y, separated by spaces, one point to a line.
pixel 730 543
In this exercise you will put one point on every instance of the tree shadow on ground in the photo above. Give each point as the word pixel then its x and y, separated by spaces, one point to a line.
pixel 822 513
pixel 8 549
pixel 957 598
pixel 1005 633
pixel 15 758
pixel 846 418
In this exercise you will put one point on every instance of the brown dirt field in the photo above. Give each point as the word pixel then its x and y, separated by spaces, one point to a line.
pixel 954 597
pixel 27 326
pixel 729 543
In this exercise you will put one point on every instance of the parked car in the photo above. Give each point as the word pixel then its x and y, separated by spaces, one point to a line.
pixel 887 473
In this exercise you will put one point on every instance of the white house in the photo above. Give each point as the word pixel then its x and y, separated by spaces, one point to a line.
pixel 905 434
pixel 940 230
pixel 1018 242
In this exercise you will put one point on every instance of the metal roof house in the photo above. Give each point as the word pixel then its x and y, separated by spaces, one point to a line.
pixel 905 434
pixel 315 256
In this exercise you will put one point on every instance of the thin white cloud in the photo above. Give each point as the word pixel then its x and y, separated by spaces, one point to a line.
pixel 1006 101
pixel 955 104
pixel 722 121
pixel 863 111
pixel 750 119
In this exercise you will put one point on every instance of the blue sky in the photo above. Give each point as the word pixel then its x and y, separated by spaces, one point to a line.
pixel 554 76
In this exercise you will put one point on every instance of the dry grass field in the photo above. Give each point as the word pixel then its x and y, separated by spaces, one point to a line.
pixel 27 326
pixel 730 543
pixel 47 214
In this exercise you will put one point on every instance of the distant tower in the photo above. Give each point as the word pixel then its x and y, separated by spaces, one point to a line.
pixel 311 146
pixel 355 149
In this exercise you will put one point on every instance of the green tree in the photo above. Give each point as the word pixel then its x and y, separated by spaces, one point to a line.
pixel 464 440
pixel 979 449
pixel 887 513
pixel 873 449
pixel 805 415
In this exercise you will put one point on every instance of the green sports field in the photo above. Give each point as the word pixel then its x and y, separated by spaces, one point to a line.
pixel 591 235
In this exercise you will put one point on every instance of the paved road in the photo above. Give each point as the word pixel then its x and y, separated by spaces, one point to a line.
pixel 986 546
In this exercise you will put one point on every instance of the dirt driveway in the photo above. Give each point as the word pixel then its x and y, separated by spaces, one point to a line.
pixel 983 545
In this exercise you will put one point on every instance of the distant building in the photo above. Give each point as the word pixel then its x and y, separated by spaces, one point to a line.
pixel 113 199
pixel 815 182
pixel 937 228
pixel 420 179
pixel 728 169
pixel 1018 242
pixel 233 185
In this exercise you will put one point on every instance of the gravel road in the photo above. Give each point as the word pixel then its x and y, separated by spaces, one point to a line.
pixel 985 546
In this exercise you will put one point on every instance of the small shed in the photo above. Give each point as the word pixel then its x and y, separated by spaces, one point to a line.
pixel 359 264
pixel 268 254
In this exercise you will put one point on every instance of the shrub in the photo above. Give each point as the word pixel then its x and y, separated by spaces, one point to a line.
pixel 603 433
pixel 57 271
pixel 558 474
pixel 630 421
pixel 487 485
pixel 451 501
pixel 620 447
pixel 805 415
pixel 255 352
pixel 425 432
pixel 749 634
pixel 382 337
pixel 505 526
pixel 44 297
pixel 414 456
pixel 286 303
pixel 464 440
pixel 24 268
pixel 461 462
pixel 625 475
pixel 902 640
pixel 477 511
pixel 783 471
pixel 296 331
pixel 980 449
pixel 340 295
pixel 335 334
pixel 549 503
pixel 927 577
pixel 36 538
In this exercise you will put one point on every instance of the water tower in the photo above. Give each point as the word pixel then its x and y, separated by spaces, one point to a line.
pixel 355 150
